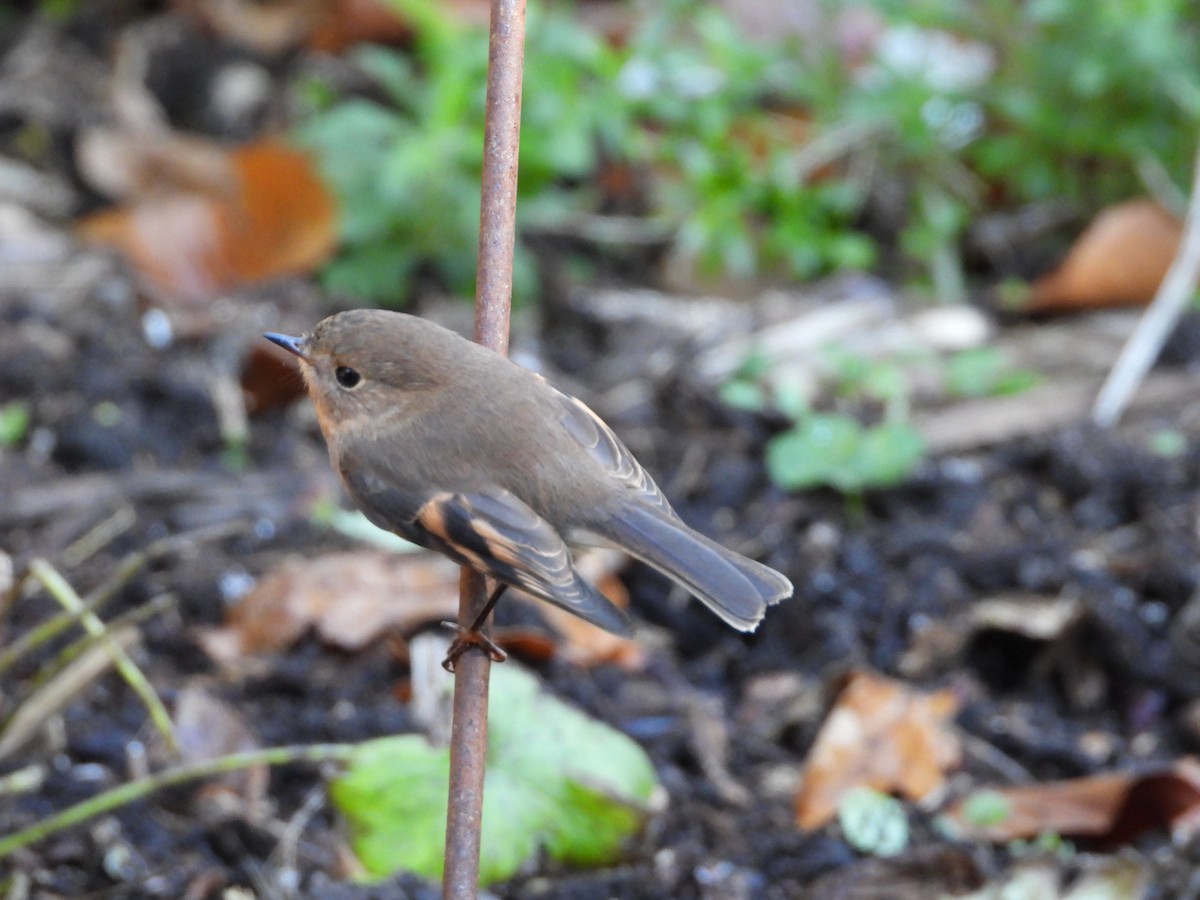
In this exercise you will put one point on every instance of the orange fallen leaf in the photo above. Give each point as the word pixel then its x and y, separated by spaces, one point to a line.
pixel 1119 260
pixel 1112 808
pixel 284 221
pixel 883 735
pixel 345 23
pixel 349 598
pixel 274 217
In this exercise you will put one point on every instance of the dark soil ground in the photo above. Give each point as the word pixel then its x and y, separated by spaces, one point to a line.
pixel 119 425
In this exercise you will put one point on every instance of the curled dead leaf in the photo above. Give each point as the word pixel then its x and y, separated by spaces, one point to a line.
pixel 349 598
pixel 880 734
pixel 937 644
pixel 1111 808
pixel 1119 260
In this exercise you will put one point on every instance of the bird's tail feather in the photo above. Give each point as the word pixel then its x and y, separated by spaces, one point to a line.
pixel 736 588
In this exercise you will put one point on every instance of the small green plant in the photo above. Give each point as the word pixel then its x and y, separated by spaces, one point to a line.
pixel 866 440
pixel 14 423
pixel 407 171
pixel 765 156
pixel 836 449
pixel 1087 99
pixel 999 102
pixel 985 372
pixel 59 10
pixel 987 808
pixel 742 195
pixel 685 98
pixel 873 822
pixel 1168 443
pixel 1048 842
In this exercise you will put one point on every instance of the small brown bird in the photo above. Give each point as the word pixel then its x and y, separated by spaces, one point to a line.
pixel 461 450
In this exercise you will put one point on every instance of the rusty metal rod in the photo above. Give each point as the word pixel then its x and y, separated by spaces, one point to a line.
pixel 493 299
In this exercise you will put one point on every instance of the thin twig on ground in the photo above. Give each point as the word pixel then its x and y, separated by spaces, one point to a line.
pixel 31 716
pixel 60 589
pixel 142 787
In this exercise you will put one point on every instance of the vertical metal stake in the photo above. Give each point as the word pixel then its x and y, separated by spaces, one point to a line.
pixel 493 299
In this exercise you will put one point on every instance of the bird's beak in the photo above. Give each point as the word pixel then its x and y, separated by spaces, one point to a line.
pixel 289 343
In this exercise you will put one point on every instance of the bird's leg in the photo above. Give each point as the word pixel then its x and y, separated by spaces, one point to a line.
pixel 474 636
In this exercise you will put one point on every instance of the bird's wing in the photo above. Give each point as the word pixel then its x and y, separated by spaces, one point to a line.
pixel 496 533
pixel 606 448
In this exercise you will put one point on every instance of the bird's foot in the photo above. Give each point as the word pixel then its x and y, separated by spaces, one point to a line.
pixel 465 640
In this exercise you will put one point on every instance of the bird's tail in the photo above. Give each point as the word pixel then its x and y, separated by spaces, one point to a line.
pixel 736 588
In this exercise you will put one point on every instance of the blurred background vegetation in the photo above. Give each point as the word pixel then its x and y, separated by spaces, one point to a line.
pixel 876 139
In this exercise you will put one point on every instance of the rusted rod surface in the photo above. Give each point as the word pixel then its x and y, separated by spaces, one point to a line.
pixel 493 298
pixel 501 139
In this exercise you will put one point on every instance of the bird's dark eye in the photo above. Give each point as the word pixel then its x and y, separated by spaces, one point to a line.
pixel 347 377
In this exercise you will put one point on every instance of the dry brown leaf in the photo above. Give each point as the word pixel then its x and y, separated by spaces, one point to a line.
pixel 533 645
pixel 207 727
pixel 274 217
pixel 1035 616
pixel 1119 260
pixel 284 221
pixel 133 163
pixel 349 598
pixel 583 644
pixel 936 644
pixel 883 735
pixel 1112 808
pixel 349 22
pixel 325 25
pixel 353 598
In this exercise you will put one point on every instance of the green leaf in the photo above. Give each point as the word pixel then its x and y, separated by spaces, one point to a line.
pixel 984 808
pixel 813 452
pixel 376 271
pixel 984 372
pixel 393 71
pixel 556 780
pixel 834 449
pixel 885 456
pixel 1166 442
pixel 791 396
pixel 873 822
pixel 743 395
pixel 14 423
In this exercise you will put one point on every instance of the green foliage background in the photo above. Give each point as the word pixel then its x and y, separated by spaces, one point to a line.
pixel 1084 102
